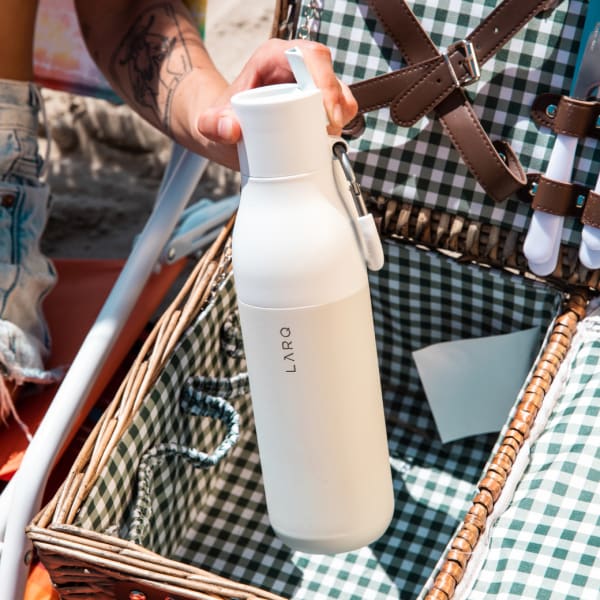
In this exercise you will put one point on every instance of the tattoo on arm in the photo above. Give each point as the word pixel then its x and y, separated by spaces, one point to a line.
pixel 154 58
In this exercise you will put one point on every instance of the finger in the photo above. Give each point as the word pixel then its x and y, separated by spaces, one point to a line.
pixel 220 125
pixel 268 65
pixel 318 61
pixel 349 110
pixel 349 105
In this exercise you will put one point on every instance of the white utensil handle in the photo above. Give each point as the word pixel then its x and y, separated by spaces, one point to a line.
pixel 590 241
pixel 589 258
pixel 543 238
pixel 560 166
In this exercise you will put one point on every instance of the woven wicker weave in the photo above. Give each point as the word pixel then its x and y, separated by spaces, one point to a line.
pixel 85 564
pixel 494 479
pixel 483 243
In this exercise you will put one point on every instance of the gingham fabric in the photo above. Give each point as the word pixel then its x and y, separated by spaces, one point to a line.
pixel 422 298
pixel 418 164
pixel 204 397
pixel 217 518
pixel 546 545
pixel 209 350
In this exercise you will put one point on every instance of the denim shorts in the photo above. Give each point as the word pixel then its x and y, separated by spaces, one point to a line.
pixel 26 276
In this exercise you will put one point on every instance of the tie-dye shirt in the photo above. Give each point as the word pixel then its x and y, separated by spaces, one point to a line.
pixel 61 59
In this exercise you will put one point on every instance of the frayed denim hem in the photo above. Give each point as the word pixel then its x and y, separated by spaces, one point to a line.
pixel 26 275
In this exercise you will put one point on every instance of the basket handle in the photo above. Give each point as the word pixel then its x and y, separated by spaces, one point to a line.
pixel 203 397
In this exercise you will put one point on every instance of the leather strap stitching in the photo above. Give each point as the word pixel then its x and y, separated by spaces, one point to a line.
pixel 576 118
pixel 558 197
pixel 502 170
pixel 489 21
pixel 484 139
pixel 375 81
pixel 435 102
pixel 496 188
pixel 398 40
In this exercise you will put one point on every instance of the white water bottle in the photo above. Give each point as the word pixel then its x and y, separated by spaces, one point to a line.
pixel 307 327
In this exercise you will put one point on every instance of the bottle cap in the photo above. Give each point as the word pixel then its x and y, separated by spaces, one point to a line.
pixel 284 128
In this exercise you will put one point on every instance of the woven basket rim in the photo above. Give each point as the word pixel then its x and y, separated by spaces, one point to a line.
pixel 455 563
pixel 52 531
pixel 127 558
pixel 209 271
pixel 482 243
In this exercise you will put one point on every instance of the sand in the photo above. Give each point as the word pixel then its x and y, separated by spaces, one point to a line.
pixel 105 163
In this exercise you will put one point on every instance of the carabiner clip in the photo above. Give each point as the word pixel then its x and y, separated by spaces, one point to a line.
pixel 365 224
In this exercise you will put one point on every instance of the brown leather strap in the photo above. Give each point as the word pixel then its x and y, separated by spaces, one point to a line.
pixel 591 212
pixel 433 80
pixel 447 72
pixel 569 116
pixel 430 76
pixel 495 166
pixel 559 198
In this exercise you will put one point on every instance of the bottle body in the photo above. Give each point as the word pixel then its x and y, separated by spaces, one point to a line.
pixel 319 422
pixel 308 334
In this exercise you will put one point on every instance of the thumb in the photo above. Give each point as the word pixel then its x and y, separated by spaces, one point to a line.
pixel 220 125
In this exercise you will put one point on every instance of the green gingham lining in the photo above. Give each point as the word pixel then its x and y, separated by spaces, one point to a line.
pixel 418 164
pixel 546 544
pixel 422 298
pixel 217 519
pixel 207 349
pixel 201 397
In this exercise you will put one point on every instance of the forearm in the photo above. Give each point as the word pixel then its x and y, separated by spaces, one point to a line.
pixel 153 56
pixel 151 53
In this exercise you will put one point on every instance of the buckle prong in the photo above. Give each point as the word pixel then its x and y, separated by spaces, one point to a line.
pixel 451 69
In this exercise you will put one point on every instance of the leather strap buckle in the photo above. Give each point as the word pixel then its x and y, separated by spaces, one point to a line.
pixel 471 63
pixel 435 81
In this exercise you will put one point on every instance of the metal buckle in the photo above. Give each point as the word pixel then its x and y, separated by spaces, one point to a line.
pixel 471 63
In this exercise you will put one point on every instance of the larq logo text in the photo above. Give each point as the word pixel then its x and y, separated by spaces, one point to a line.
pixel 287 346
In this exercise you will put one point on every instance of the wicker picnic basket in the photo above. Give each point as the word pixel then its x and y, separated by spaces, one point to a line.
pixel 166 500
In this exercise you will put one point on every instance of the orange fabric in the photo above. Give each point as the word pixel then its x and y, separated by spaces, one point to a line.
pixel 39 586
pixel 71 309
pixel 66 302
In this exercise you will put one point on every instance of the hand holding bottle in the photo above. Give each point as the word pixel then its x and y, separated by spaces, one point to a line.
pixel 268 65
